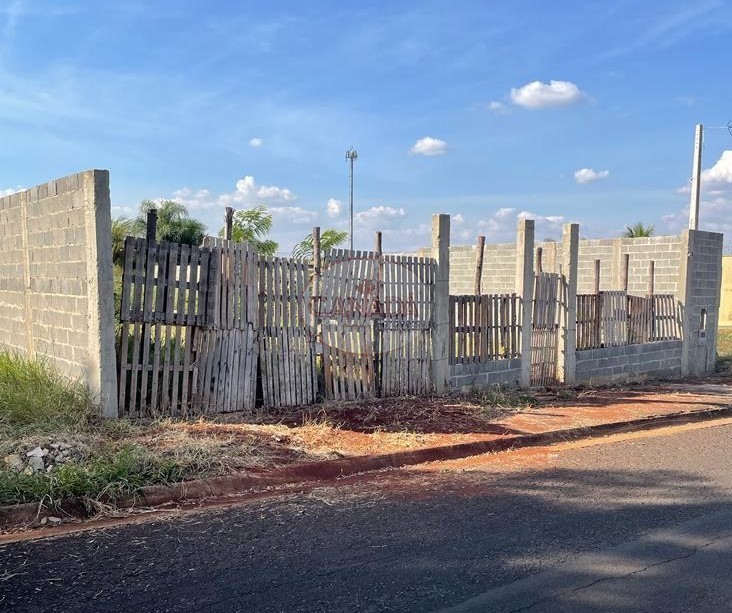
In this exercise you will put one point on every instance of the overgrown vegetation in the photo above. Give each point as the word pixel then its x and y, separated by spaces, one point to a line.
pixel 724 350
pixel 107 477
pixel 35 397
pixel 503 398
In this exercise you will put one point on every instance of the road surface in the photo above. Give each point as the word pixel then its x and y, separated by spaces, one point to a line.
pixel 641 524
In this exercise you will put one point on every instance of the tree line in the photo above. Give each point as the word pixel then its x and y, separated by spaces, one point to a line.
pixel 175 225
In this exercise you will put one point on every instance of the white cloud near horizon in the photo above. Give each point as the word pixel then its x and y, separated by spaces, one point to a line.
pixel 248 193
pixel 501 226
pixel 378 214
pixel 429 146
pixel 334 207
pixel 589 175
pixel 538 95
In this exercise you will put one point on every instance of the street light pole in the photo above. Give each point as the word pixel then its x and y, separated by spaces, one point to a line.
pixel 351 156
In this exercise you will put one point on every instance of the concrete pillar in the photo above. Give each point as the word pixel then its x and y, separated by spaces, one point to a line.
pixel 525 288
pixel 101 361
pixel 441 308
pixel 567 356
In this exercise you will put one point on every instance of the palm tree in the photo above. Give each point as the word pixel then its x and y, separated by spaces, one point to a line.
pixel 329 239
pixel 121 228
pixel 638 230
pixel 252 226
pixel 174 223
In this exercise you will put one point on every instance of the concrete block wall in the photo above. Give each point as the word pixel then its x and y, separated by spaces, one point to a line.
pixel 56 285
pixel 499 264
pixel 506 373
pixel 701 279
pixel 661 359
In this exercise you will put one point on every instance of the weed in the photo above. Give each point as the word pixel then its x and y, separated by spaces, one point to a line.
pixel 502 398
pixel 34 396
pixel 108 476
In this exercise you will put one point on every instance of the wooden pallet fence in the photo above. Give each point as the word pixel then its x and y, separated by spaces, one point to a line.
pixel 348 360
pixel 165 300
pixel 485 327
pixel 626 319
pixel 287 350
pixel 406 293
pixel 549 296
pixel 666 318
pixel 614 318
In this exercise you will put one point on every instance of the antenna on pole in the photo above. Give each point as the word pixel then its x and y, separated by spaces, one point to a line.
pixel 351 156
pixel 696 179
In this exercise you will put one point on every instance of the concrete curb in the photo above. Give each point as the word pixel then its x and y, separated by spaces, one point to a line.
pixel 330 470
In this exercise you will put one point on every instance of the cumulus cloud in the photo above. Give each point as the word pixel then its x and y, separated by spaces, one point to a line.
pixel 538 95
pixel 496 107
pixel 255 142
pixel 719 176
pixel 429 146
pixel 501 226
pixel 589 175
pixel 247 193
pixel 378 214
pixel 458 218
pixel 295 214
pixel 334 207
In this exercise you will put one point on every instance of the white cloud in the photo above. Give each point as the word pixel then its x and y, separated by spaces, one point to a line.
pixel 255 142
pixel 496 107
pixel 378 214
pixel 334 207
pixel 589 175
pixel 501 226
pixel 538 95
pixel 248 193
pixel 458 219
pixel 295 214
pixel 719 176
pixel 429 146
pixel 124 211
pixel 9 191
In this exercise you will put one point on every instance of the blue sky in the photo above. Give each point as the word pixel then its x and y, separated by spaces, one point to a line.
pixel 567 111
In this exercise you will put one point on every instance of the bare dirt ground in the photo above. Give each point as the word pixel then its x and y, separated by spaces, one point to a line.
pixel 390 425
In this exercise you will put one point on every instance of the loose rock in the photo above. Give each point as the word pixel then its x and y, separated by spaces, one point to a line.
pixel 36 463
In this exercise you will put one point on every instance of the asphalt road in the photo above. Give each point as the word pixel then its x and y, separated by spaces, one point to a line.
pixel 637 525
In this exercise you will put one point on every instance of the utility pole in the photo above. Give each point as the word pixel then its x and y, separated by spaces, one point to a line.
pixel 696 179
pixel 351 156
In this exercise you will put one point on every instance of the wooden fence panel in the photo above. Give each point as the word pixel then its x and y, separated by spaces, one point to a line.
pixel 549 296
pixel 614 322
pixel 287 349
pixel 485 328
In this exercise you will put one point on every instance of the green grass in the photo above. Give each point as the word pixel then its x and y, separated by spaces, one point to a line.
pixel 35 397
pixel 724 350
pixel 501 398
pixel 106 478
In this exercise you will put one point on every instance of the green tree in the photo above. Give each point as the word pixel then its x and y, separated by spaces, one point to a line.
pixel 329 239
pixel 174 223
pixel 121 228
pixel 253 226
pixel 638 230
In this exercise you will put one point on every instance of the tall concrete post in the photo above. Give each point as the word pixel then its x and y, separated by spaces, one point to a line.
pixel 525 288
pixel 567 356
pixel 441 309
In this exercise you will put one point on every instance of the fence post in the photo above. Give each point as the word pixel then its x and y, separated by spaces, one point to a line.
pixel 539 262
pixel 479 249
pixel 152 225
pixel 315 287
pixel 567 355
pixel 228 222
pixel 525 289
pixel 441 311
pixel 624 275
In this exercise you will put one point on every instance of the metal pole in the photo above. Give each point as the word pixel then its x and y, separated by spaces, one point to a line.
pixel 696 179
pixel 351 156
